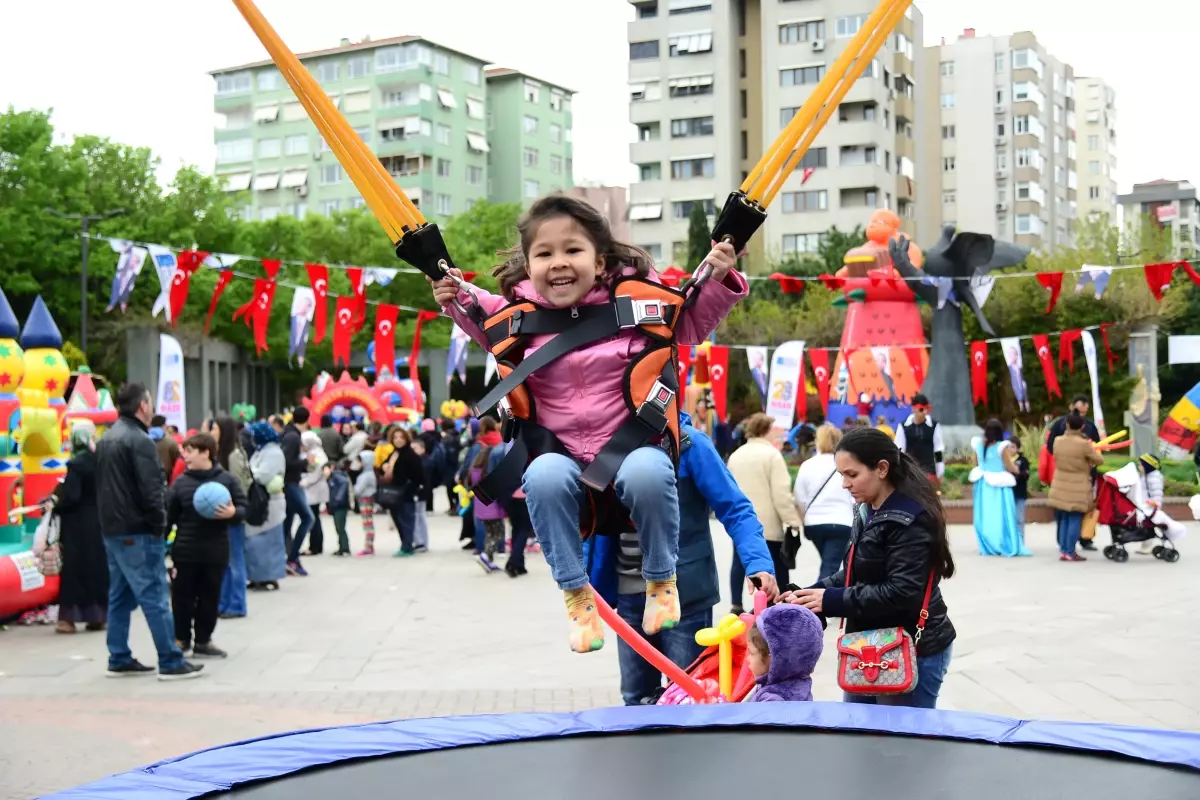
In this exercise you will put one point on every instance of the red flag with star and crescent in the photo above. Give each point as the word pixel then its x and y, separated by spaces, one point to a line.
pixel 318 278
pixel 1041 343
pixel 385 337
pixel 718 373
pixel 343 329
pixel 820 365
pixel 979 372
pixel 257 313
pixel 188 262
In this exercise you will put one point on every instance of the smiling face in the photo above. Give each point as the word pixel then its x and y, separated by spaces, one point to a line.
pixel 562 262
pixel 866 484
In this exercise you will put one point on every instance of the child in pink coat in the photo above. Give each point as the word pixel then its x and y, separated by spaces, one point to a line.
pixel 567 258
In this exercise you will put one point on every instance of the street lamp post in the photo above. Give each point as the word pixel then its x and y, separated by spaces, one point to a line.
pixel 84 221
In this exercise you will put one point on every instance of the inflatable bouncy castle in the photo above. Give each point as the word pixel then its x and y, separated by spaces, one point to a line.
pixel 388 400
pixel 883 358
pixel 1180 430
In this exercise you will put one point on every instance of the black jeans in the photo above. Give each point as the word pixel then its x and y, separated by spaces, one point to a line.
pixel 831 542
pixel 737 573
pixel 316 534
pixel 522 531
pixel 405 518
pixel 195 595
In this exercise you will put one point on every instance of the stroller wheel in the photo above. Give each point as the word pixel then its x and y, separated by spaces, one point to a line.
pixel 1171 556
pixel 1108 552
pixel 1158 551
pixel 1121 555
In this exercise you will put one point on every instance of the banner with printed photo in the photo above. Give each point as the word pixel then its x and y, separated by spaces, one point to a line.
pixel 130 261
pixel 757 357
pixel 169 400
pixel 304 307
pixel 1011 348
pixel 1089 353
pixel 165 263
pixel 456 356
pixel 787 364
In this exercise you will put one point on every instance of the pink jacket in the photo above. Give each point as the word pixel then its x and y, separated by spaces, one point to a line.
pixel 579 397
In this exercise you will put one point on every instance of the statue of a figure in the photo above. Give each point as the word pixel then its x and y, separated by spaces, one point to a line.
pixel 959 258
pixel 1143 413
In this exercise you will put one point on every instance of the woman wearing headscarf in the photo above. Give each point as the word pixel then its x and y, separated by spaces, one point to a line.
pixel 266 554
pixel 231 455
pixel 83 587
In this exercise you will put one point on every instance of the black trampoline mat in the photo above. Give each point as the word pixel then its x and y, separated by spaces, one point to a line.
pixel 732 764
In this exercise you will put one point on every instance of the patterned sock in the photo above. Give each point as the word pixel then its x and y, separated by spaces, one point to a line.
pixel 662 606
pixel 586 634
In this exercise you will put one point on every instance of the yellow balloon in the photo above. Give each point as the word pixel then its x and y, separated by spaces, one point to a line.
pixel 729 628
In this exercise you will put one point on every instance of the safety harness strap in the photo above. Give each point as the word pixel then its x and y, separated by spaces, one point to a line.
pixel 647 422
pixel 529 440
pixel 541 321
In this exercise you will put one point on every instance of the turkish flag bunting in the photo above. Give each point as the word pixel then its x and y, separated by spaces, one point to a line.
pixel 1158 277
pixel 422 317
pixel 188 262
pixel 1041 343
pixel 360 296
pixel 1108 353
pixel 271 267
pixel 979 372
pixel 685 363
pixel 318 279
pixel 1191 271
pixel 672 276
pixel 385 338
pixel 343 330
pixel 257 313
pixel 914 354
pixel 222 282
pixel 832 283
pixel 801 393
pixel 820 365
pixel 1066 348
pixel 788 283
pixel 718 372
pixel 1053 282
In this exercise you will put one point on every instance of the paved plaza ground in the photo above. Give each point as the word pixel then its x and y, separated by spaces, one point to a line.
pixel 375 639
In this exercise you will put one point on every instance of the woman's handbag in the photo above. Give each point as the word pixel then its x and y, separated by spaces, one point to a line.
pixel 46 544
pixel 389 497
pixel 880 661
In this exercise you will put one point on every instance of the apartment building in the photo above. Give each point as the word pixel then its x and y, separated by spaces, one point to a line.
pixel 421 107
pixel 1001 136
pixel 611 201
pixel 714 82
pixel 1167 204
pixel 1097 119
pixel 529 128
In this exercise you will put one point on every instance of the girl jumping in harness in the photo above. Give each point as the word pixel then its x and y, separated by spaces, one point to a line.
pixel 567 260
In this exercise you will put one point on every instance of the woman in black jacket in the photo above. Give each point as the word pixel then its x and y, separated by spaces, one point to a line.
pixel 404 471
pixel 899 540
pixel 200 552
pixel 83 587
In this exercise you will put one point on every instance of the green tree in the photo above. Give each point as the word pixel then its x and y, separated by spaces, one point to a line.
pixel 699 237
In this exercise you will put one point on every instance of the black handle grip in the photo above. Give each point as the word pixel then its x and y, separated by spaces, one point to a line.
pixel 425 249
pixel 739 220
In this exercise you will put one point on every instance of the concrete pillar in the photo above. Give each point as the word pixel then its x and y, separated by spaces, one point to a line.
pixel 1142 413
pixel 437 392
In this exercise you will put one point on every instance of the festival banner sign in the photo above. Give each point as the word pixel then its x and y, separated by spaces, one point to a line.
pixel 786 369
pixel 1089 353
pixel 757 357
pixel 1011 347
pixel 169 401
pixel 304 308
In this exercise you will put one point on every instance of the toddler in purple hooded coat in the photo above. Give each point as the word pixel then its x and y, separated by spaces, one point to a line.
pixel 784 646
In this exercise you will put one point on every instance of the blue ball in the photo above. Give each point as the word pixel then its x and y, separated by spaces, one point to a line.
pixel 209 497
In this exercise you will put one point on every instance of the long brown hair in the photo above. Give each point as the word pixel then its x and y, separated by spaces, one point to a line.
pixel 617 255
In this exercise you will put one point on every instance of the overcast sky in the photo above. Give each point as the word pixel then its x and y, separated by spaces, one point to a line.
pixel 136 72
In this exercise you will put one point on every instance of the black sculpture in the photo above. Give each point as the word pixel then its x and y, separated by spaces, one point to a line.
pixel 960 258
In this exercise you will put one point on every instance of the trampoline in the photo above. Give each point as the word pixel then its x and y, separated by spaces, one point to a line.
pixel 853 752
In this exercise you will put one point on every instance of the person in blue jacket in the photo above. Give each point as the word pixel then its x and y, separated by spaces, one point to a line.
pixel 614 564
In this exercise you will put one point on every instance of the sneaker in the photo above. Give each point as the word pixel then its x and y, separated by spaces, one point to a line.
pixel 341 553
pixel 420 549
pixel 1087 545
pixel 469 545
pixel 131 669
pixel 1076 557
pixel 185 671
pixel 209 650
pixel 586 634
pixel 402 553
pixel 368 552
pixel 485 563
pixel 231 616
pixel 662 606
pixel 294 568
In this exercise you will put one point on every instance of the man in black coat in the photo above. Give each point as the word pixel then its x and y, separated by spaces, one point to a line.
pixel 201 549
pixel 130 488
pixel 295 465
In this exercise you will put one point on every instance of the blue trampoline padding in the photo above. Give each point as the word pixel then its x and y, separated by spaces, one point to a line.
pixel 220 768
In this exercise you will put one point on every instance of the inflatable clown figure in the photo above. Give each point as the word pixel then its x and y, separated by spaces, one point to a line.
pixel 12 370
pixel 43 460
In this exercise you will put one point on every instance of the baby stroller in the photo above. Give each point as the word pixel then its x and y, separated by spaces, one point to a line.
pixel 1127 523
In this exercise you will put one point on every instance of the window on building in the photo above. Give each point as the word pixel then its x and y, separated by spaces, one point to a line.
pixel 948 198
pixel 802 243
pixel 474 175
pixel 268 80
pixel 530 158
pixel 233 83
pixel 857 155
pixel 647 9
pixel 555 132
pixel 1029 224
pixel 529 124
pixel 947 69
pixel 682 209
pixel 1094 167
pixel 330 207
pixel 556 165
pixel 1028 59
pixel 947 131
pixel 442 204
pixel 557 98
pixel 815 158
pixel 329 71
pixel 653 250
pixel 690 44
pixel 355 102
pixel 1001 160
pixel 948 164
pixel 848 26
pixel 742 62
pixel 801 76
pixel 358 67
pixel 690 87
pixel 1000 129
pixel 235 150
pixel 799 202
pixel 443 168
pixel 331 174
pixel 786 114
pixel 650 171
pixel 472 74
pixel 533 91
pixel 686 169
pixel 650 90
pixel 641 50
pixel 794 32
pixel 1001 62
pixel 692 126
pixel 268 212
pixel 1093 193
pixel 532 188
pixel 296 145
pixel 475 108
pixel 648 131
pixel 744 103
pixel 323 146
pixel 1029 157
pixel 947 99
pixel 676 7
pixel 1093 142
pixel 443 133
pixel 270 148
pixel 441 63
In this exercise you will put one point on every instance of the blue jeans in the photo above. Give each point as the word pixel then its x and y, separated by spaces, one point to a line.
pixel 645 484
pixel 1070 523
pixel 137 576
pixel 405 519
pixel 233 587
pixel 640 682
pixel 831 542
pixel 297 506
pixel 931 671
pixel 1019 503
